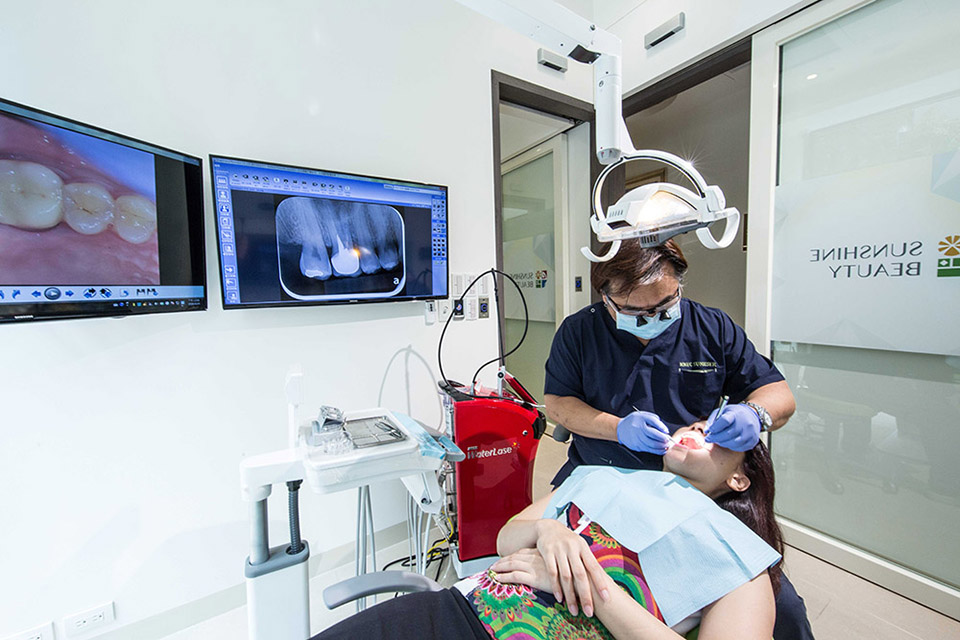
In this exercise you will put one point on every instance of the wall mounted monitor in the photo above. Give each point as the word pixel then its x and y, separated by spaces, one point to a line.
pixel 93 223
pixel 292 236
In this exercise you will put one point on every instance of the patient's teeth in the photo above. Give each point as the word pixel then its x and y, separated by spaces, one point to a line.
pixel 136 219
pixel 345 259
pixel 364 237
pixel 31 195
pixel 314 261
pixel 88 207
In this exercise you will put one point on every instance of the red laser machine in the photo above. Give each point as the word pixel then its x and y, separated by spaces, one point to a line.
pixel 500 435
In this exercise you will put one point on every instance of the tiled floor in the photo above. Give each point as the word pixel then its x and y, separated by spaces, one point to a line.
pixel 840 605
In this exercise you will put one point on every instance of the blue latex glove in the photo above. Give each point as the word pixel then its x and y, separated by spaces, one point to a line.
pixel 736 428
pixel 643 431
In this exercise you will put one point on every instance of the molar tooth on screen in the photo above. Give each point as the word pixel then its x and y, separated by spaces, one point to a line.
pixel 341 249
pixel 344 255
pixel 75 208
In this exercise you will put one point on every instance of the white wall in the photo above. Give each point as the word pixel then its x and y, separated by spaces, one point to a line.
pixel 120 440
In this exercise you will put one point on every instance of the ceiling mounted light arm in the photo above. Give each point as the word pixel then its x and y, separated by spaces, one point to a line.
pixel 561 30
pixel 656 212
pixel 653 215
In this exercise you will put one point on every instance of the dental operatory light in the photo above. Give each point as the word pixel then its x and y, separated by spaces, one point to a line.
pixel 656 212
pixel 652 213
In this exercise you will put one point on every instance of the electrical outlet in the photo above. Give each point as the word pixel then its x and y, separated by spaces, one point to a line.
pixel 43 632
pixel 430 311
pixel 484 307
pixel 82 623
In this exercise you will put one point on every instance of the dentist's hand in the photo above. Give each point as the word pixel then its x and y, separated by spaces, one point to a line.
pixel 644 431
pixel 736 428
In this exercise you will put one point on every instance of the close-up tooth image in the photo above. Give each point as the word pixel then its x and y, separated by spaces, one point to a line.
pixel 86 207
pixel 331 248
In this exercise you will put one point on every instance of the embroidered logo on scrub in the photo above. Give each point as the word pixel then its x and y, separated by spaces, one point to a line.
pixel 699 367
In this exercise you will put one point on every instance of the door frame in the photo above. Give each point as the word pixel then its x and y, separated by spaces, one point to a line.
pixel 511 90
pixel 764 143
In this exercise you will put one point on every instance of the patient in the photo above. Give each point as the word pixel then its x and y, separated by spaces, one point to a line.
pixel 568 570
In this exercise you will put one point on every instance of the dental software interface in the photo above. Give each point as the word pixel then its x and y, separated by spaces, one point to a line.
pixel 291 236
pixel 95 223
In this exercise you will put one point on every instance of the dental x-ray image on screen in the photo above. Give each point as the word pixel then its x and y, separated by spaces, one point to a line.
pixel 292 236
pixel 335 247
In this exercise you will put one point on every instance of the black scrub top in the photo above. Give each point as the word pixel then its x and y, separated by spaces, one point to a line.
pixel 679 375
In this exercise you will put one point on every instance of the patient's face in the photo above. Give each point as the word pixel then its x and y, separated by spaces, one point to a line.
pixel 707 466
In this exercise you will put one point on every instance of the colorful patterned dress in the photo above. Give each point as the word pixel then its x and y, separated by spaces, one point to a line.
pixel 518 612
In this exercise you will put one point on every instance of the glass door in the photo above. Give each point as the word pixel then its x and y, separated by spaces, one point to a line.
pixel 534 210
pixel 854 283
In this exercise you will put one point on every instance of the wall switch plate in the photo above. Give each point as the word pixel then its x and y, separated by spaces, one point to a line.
pixel 458 285
pixel 43 632
pixel 83 623
pixel 458 309
pixel 472 308
pixel 484 307
pixel 483 287
pixel 443 309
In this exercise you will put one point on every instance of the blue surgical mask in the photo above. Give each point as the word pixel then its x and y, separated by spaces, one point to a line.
pixel 653 327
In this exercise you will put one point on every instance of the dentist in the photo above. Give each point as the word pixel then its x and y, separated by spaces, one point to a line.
pixel 625 373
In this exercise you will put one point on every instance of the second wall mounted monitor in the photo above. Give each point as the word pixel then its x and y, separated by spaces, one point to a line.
pixel 296 236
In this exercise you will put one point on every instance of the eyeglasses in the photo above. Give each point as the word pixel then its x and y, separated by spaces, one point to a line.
pixel 644 313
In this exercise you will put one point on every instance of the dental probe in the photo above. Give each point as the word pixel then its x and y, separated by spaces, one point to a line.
pixel 673 441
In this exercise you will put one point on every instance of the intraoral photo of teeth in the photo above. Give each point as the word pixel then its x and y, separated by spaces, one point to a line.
pixel 74 209
pixel 331 247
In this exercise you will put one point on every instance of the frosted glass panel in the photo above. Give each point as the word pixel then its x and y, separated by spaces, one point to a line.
pixel 865 309
pixel 870 457
pixel 528 256
pixel 867 206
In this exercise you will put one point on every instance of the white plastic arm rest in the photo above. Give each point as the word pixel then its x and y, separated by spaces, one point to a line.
pixel 370 584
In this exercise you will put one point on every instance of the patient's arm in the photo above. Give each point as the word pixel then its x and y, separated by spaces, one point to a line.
pixel 567 557
pixel 746 613
pixel 520 531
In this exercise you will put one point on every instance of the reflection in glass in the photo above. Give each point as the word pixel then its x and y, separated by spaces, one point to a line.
pixel 870 457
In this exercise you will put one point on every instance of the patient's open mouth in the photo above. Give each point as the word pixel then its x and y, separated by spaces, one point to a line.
pixel 692 440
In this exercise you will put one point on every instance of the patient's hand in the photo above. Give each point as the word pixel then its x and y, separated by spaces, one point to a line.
pixel 571 569
pixel 525 566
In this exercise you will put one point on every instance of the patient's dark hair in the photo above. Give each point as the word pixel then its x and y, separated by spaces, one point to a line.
pixel 754 507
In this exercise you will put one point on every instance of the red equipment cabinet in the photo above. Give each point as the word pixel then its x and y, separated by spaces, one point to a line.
pixel 499 436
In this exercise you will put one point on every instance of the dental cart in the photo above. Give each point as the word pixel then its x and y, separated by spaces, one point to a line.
pixel 335 452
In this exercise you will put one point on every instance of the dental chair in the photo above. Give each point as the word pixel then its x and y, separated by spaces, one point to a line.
pixel 372 584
